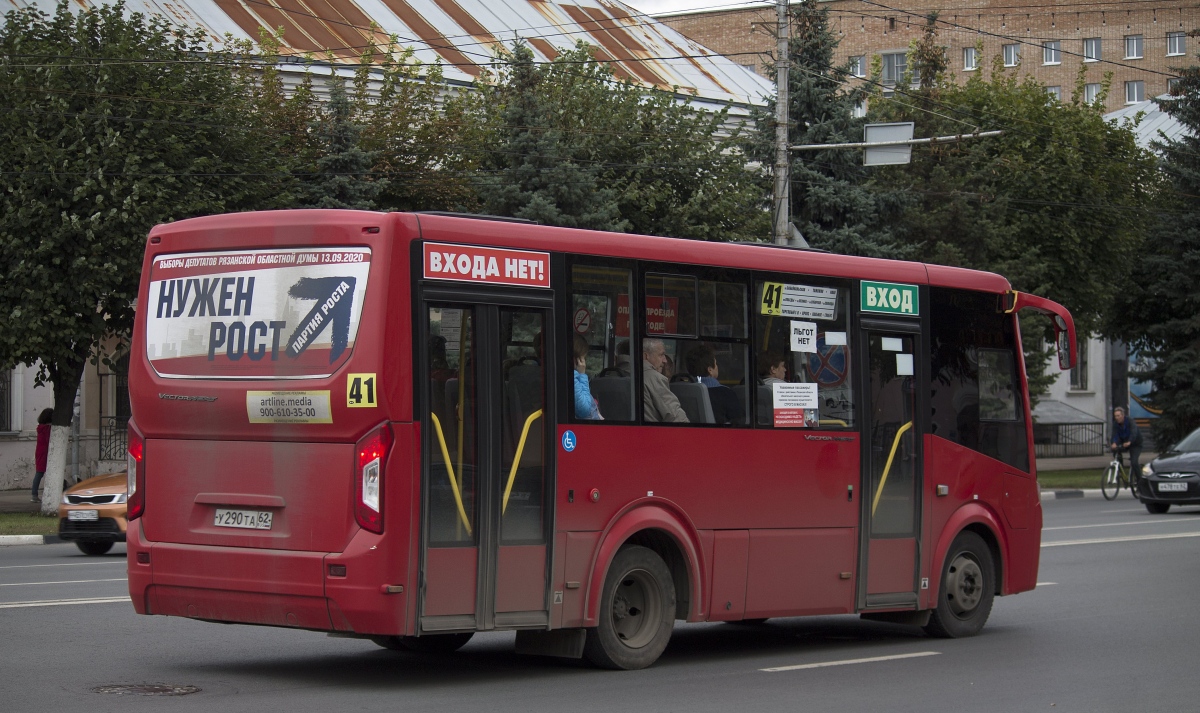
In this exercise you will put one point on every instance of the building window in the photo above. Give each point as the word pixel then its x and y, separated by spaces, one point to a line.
pixel 1173 87
pixel 1176 44
pixel 1135 92
pixel 1079 374
pixel 1133 46
pixel 970 59
pixel 1055 92
pixel 1012 55
pixel 860 109
pixel 858 66
pixel 1052 52
pixel 894 66
pixel 1091 49
pixel 1091 92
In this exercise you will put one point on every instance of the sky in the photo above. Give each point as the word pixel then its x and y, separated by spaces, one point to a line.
pixel 652 7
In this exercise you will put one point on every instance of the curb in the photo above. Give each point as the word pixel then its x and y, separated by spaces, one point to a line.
pixel 1071 494
pixel 9 540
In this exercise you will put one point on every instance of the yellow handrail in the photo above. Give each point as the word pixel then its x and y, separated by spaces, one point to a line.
pixel 462 512
pixel 833 422
pixel 512 473
pixel 887 468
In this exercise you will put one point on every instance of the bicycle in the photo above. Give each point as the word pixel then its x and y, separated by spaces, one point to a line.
pixel 1116 478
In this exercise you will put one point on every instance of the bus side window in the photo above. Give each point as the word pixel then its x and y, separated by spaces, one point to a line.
pixel 600 298
pixel 809 349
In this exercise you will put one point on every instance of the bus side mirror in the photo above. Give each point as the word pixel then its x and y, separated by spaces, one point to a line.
pixel 1062 338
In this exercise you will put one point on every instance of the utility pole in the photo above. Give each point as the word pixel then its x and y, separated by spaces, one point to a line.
pixel 782 229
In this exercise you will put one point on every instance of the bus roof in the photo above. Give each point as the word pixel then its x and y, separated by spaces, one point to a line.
pixel 468 230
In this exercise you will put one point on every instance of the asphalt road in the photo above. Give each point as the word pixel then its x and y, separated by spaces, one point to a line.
pixel 1112 626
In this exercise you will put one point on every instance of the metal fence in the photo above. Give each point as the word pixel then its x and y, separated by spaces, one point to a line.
pixel 1059 440
pixel 114 416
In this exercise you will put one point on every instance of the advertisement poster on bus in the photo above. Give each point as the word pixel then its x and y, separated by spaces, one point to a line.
pixel 255 314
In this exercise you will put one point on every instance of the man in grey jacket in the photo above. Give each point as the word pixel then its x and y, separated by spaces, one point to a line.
pixel 659 403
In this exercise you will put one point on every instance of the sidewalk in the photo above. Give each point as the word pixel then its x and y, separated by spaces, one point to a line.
pixel 1086 462
pixel 17 501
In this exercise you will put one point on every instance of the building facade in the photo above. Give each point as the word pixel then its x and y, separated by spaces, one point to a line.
pixel 1141 44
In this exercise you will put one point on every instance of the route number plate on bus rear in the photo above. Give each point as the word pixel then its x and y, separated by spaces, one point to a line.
pixel 245 519
pixel 1172 487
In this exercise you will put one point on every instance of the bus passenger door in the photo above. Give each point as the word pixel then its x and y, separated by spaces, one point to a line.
pixel 892 366
pixel 486 488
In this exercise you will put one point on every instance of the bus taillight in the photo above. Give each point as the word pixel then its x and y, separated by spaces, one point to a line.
pixel 372 453
pixel 136 476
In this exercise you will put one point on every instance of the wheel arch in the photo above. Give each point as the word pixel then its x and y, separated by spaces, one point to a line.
pixel 662 527
pixel 976 518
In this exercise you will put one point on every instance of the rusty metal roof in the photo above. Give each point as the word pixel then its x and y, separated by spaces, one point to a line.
pixel 462 34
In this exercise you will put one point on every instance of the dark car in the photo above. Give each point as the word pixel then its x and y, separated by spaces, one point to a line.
pixel 1173 478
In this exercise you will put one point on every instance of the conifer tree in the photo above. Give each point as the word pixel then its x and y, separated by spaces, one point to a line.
pixel 830 202
pixel 533 172
pixel 341 175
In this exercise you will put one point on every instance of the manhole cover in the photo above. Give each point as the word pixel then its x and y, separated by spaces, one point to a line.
pixel 147 689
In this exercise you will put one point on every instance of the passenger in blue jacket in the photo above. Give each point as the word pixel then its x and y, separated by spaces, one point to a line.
pixel 585 404
pixel 702 364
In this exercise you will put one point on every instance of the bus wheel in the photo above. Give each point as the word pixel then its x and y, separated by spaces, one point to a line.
pixel 430 644
pixel 93 547
pixel 968 588
pixel 637 612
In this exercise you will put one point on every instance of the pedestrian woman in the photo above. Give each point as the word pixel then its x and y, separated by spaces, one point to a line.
pixel 43 447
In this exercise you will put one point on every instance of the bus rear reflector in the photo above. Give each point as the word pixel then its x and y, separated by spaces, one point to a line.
pixel 372 452
pixel 136 476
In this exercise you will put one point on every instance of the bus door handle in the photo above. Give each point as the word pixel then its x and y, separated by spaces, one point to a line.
pixel 849 493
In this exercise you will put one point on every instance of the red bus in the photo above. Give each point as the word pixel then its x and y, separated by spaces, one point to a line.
pixel 412 427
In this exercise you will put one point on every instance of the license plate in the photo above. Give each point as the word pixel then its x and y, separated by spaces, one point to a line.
pixel 245 519
pixel 83 515
pixel 1172 487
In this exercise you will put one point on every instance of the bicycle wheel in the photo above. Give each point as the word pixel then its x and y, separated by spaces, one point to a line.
pixel 1110 482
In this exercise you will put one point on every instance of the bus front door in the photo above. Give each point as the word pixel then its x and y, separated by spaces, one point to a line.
pixel 486 491
pixel 892 368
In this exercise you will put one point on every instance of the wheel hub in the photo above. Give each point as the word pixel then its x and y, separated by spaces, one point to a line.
pixel 964 585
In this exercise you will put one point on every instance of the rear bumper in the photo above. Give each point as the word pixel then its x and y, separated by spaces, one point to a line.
pixel 266 587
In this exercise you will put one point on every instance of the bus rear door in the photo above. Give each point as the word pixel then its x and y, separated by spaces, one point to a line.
pixel 487 400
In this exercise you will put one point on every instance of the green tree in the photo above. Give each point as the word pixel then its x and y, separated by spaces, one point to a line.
pixel 667 166
pixel 1058 204
pixel 341 174
pixel 534 171
pixel 830 201
pixel 110 124
pixel 1157 309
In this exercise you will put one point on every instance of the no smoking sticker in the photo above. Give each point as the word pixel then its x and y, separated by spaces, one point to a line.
pixel 582 320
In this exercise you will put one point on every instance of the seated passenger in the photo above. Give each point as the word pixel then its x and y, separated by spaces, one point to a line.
pixel 624 365
pixel 772 369
pixel 702 364
pixel 585 404
pixel 659 404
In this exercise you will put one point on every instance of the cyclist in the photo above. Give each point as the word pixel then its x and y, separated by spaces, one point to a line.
pixel 1127 437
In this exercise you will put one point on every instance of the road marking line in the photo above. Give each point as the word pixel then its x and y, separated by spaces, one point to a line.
pixel 61 564
pixel 847 662
pixel 1172 521
pixel 70 581
pixel 1135 538
pixel 1046 584
pixel 62 602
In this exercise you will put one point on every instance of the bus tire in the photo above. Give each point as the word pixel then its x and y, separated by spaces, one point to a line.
pixel 93 547
pixel 429 644
pixel 637 612
pixel 968 587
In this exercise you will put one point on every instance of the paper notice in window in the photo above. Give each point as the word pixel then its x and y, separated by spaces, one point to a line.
pixel 804 336
pixel 904 365
pixel 794 405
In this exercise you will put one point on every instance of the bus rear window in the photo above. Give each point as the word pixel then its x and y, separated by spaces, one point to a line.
pixel 255 314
